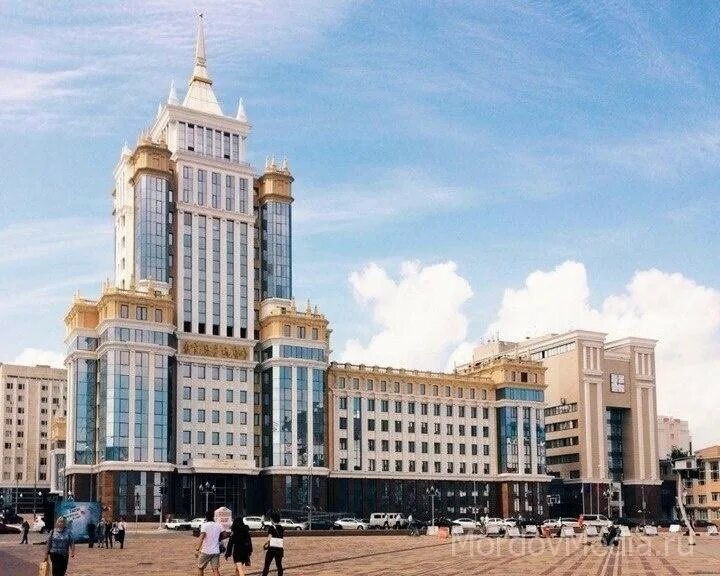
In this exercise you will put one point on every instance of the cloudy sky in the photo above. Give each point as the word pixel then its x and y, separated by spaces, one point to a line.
pixel 461 169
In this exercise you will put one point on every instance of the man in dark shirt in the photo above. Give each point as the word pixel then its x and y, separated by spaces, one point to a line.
pixel 25 530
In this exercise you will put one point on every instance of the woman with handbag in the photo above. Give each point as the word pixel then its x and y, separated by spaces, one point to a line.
pixel 239 546
pixel 275 546
pixel 60 546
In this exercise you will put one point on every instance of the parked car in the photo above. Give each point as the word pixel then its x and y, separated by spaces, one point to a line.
pixel 290 524
pixel 388 520
pixel 631 523
pixel 350 524
pixel 466 523
pixel 498 521
pixel 700 523
pixel 196 523
pixel 510 522
pixel 6 529
pixel 254 522
pixel 178 524
pixel 600 521
pixel 323 524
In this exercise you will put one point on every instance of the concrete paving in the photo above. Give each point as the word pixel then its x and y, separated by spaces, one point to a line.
pixel 171 554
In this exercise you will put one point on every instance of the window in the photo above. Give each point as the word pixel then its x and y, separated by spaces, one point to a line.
pixel 216 372
pixel 201 437
pixel 216 438
pixel 315 334
pixel 158 315
pixel 187 393
pixel 201 394
pixel 140 313
pixel 216 394
pixel 124 310
pixel 186 437
pixel 229 438
pixel 228 417
pixel 228 395
pixel 343 403
pixel 343 423
pixel 301 331
pixel 216 416
pixel 187 416
pixel 201 415
pixel 286 330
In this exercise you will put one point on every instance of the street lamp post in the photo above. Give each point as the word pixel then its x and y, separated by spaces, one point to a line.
pixel 207 489
pixel 433 493
pixel 474 495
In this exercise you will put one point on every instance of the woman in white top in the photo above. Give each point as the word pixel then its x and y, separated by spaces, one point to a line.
pixel 121 527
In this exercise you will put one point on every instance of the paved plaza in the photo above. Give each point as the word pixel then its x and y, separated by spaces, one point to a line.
pixel 171 554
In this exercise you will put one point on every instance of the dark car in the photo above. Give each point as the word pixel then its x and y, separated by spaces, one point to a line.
pixel 631 523
pixel 322 524
pixel 700 523
pixel 5 529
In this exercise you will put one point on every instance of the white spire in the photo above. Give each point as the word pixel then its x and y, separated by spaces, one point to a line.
pixel 173 97
pixel 159 110
pixel 267 162
pixel 241 115
pixel 200 95
pixel 285 167
pixel 125 149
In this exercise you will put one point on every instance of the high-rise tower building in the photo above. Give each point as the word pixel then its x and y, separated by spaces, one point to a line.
pixel 162 372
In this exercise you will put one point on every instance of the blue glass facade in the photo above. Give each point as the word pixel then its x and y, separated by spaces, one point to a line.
pixel 142 399
pixel 318 407
pixel 152 211
pixel 507 424
pixel 85 377
pixel 523 394
pixel 614 440
pixel 117 405
pixel 302 416
pixel 540 438
pixel 276 247
pixel 161 409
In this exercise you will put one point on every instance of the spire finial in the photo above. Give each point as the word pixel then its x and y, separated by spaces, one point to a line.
pixel 241 115
pixel 200 42
pixel 172 96
pixel 285 164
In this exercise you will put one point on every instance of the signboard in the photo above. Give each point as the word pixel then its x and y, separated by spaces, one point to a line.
pixel 77 516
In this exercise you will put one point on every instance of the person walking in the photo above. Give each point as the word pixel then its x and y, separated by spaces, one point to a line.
pixel 59 547
pixel 25 529
pixel 208 548
pixel 108 534
pixel 92 533
pixel 239 546
pixel 121 528
pixel 100 533
pixel 275 546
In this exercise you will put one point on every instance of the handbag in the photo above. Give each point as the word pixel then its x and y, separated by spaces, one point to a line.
pixel 275 542
pixel 43 569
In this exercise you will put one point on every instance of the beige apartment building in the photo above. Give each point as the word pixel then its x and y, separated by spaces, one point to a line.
pixel 600 419
pixel 672 433
pixel 703 495
pixel 475 437
pixel 33 395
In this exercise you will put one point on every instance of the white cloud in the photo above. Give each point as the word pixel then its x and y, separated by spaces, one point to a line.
pixel 419 315
pixel 34 357
pixel 682 315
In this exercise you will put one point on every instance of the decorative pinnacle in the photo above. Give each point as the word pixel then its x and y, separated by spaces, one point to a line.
pixel 173 97
pixel 241 115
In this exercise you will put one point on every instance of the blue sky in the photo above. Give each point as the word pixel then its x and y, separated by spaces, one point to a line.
pixel 506 137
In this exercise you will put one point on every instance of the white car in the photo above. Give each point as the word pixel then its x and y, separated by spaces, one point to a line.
pixel 509 522
pixel 178 524
pixel 254 522
pixel 388 520
pixel 494 521
pixel 466 523
pixel 351 524
pixel 600 521
pixel 196 523
pixel 38 526
pixel 289 524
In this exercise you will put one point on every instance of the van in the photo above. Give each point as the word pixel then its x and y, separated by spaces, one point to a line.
pixel 388 520
pixel 598 520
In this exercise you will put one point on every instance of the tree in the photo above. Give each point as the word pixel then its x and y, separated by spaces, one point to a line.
pixel 676 453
